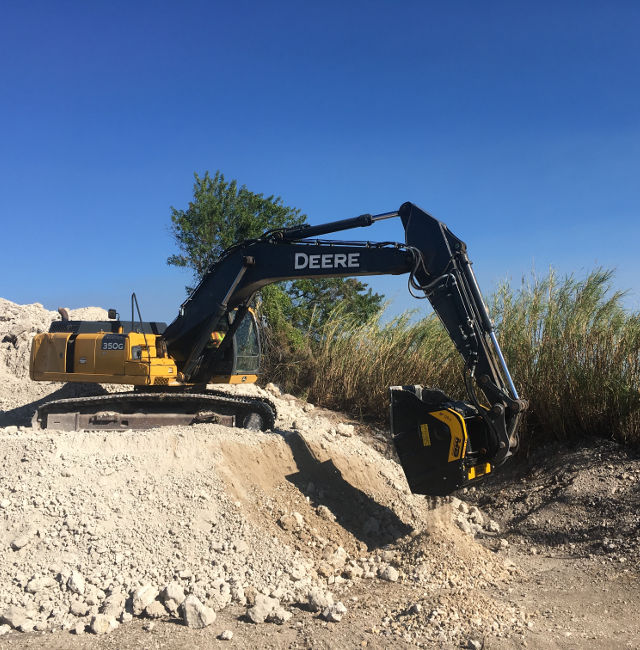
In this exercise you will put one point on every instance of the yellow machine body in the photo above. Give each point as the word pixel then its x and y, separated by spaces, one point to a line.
pixel 108 358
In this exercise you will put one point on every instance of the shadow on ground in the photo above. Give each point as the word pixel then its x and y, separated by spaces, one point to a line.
pixel 322 482
pixel 22 415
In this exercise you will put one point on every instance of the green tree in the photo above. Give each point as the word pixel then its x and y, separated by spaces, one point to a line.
pixel 222 214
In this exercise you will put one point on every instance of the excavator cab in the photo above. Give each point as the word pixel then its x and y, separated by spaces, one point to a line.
pixel 234 360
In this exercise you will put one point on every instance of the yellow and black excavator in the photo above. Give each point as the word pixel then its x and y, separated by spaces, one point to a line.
pixel 443 444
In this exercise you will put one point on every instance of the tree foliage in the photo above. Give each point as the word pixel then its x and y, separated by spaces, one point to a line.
pixel 222 214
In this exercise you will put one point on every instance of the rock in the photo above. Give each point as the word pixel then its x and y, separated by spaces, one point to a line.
pixel 279 615
pixel 334 613
pixel 476 516
pixel 155 610
pixel 149 625
pixel 389 573
pixel 113 604
pixel 36 585
pixel 274 390
pixel 173 591
pixel 195 614
pixel 353 570
pixel 345 430
pixel 79 628
pixel 493 526
pixel 225 635
pixel 27 626
pixel 13 616
pixel 172 607
pixel 237 592
pixel 297 571
pixel 318 600
pixel 219 593
pixel 21 541
pixel 101 624
pixel 337 558
pixel 78 608
pixel 298 518
pixel 264 605
pixel 288 522
pixel 464 525
pixel 142 597
pixel 76 583
pixel 416 608
pixel 4 629
pixel 325 513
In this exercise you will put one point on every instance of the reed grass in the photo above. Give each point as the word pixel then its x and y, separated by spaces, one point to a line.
pixel 572 349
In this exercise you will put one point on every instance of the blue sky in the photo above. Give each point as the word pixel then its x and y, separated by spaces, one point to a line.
pixel 517 124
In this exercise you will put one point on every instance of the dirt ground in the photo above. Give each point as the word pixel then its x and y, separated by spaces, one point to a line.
pixel 570 519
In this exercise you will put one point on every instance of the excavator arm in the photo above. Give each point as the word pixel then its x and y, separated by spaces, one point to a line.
pixel 443 444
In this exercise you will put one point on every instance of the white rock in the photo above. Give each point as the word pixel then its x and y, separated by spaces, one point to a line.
pixel 493 526
pixel 20 541
pixel 195 614
pixel 263 607
pixel 325 513
pixel 79 628
pixel 476 516
pixel 173 591
pixel 36 585
pixel 155 610
pixel 345 430
pixel 273 389
pixel 76 583
pixel 279 615
pixel 4 629
pixel 389 573
pixel 101 624
pixel 142 597
pixel 113 604
pixel 78 608
pixel 13 616
pixel 318 600
pixel 225 635
pixel 334 613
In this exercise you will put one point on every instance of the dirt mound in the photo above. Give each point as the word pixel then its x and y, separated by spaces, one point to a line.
pixel 129 523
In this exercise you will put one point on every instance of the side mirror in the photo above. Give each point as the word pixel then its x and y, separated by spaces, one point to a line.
pixel 112 314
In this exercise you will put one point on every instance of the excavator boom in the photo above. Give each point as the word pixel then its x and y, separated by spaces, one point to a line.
pixel 443 444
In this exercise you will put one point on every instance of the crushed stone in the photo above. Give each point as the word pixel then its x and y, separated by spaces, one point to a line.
pixel 97 528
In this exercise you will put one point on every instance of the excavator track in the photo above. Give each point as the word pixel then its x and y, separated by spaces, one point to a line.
pixel 145 410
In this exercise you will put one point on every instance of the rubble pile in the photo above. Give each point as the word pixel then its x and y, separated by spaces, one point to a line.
pixel 180 523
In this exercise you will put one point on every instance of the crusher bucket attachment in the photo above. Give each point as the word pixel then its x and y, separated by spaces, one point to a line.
pixel 442 443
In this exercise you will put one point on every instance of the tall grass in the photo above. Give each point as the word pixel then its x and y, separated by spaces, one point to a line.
pixel 572 349
pixel 575 353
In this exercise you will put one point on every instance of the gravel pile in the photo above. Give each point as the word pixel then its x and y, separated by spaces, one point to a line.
pixel 183 522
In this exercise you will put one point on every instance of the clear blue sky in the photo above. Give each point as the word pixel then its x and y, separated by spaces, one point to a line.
pixel 517 124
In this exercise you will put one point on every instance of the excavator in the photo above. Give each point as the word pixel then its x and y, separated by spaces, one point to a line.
pixel 443 444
